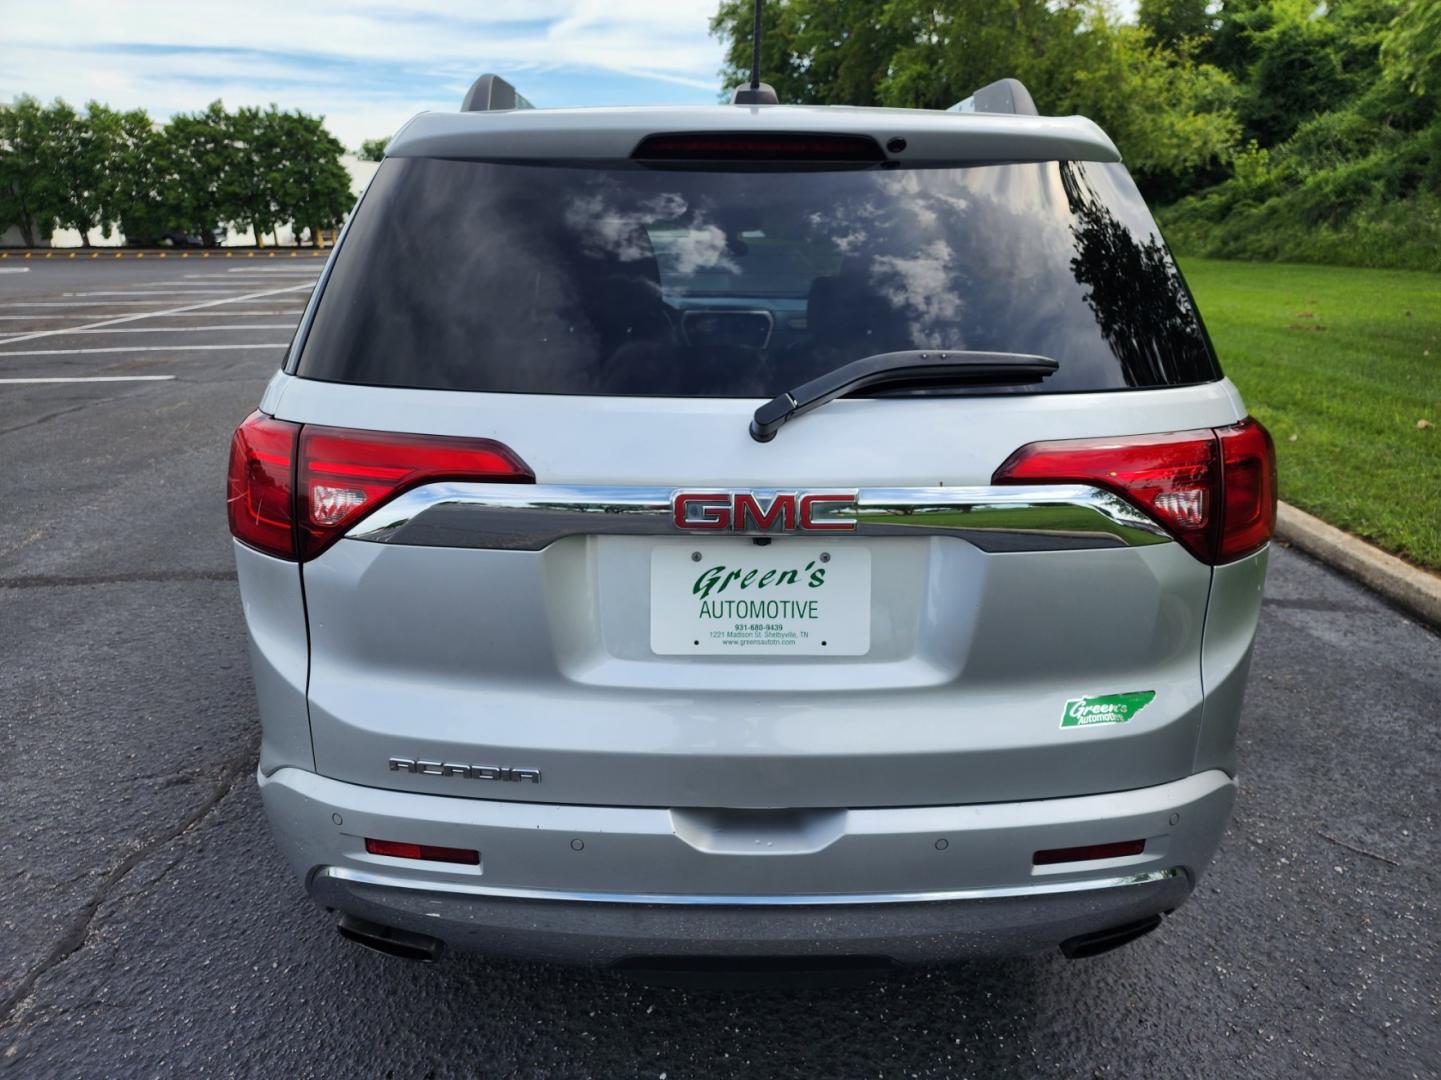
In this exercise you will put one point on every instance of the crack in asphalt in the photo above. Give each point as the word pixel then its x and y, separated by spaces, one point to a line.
pixel 51 581
pixel 55 415
pixel 232 772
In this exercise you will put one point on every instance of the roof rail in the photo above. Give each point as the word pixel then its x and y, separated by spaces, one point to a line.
pixel 490 93
pixel 1001 96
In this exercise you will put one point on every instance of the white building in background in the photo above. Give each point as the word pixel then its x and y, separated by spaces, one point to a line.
pixel 360 174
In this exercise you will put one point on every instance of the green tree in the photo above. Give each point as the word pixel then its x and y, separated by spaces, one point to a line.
pixel 781 50
pixel 1411 46
pixel 140 191
pixel 314 188
pixel 199 162
pixel 29 195
pixel 1169 113
pixel 1170 22
pixel 372 149
pixel 253 175
pixel 1297 75
pixel 78 156
pixel 1170 116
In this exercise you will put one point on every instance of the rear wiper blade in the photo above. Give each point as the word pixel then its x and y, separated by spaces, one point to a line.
pixel 911 368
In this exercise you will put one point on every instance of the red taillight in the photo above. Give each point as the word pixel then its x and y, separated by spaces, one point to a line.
pixel 1088 852
pixel 260 498
pixel 294 490
pixel 345 474
pixel 1214 490
pixel 1248 470
pixel 777 146
pixel 397 849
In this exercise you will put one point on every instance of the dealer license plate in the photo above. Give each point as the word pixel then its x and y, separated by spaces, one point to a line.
pixel 746 599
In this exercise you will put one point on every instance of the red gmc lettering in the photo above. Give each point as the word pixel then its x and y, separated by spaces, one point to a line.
pixel 808 506
pixel 713 511
pixel 742 512
pixel 748 508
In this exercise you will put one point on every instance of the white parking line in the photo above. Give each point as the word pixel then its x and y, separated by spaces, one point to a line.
pixel 142 292
pixel 32 335
pixel 80 303
pixel 139 349
pixel 14 269
pixel 170 315
pixel 253 274
pixel 96 378
pixel 182 329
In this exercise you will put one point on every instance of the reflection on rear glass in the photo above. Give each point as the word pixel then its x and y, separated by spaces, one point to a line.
pixel 625 280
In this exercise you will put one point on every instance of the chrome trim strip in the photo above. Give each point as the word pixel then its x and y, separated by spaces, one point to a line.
pixel 530 517
pixel 1042 888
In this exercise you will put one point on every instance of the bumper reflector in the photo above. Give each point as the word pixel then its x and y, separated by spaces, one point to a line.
pixel 1088 852
pixel 397 849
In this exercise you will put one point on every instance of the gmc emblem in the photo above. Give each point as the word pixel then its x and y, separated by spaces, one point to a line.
pixel 744 511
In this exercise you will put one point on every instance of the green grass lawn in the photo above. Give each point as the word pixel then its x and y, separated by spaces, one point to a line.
pixel 1340 364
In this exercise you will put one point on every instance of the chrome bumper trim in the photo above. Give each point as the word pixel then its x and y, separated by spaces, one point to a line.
pixel 1040 888
pixel 530 517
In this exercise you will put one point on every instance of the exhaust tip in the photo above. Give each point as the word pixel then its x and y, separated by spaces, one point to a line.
pixel 1103 941
pixel 390 940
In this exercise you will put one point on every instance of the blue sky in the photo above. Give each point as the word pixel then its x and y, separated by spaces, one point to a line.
pixel 366 66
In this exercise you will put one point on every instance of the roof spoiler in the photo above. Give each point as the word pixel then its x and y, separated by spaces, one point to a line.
pixel 1001 96
pixel 491 93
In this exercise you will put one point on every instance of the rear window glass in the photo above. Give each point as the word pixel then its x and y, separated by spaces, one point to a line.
pixel 629 280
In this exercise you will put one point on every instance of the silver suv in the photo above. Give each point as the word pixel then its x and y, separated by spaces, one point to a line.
pixel 708 534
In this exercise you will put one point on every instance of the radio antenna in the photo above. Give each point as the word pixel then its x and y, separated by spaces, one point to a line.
pixel 756 49
pixel 755 92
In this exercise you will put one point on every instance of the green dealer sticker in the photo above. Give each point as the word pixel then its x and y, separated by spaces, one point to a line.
pixel 1107 709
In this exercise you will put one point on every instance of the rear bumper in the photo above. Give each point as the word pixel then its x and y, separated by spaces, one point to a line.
pixel 605 884
pixel 601 933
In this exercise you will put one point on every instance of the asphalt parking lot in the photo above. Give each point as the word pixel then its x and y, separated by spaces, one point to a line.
pixel 149 928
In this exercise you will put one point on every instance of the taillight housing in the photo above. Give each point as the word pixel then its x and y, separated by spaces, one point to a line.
pixel 260 499
pixel 1214 489
pixel 295 489
pixel 344 474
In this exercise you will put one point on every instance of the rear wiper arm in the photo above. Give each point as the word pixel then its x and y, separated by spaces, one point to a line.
pixel 912 368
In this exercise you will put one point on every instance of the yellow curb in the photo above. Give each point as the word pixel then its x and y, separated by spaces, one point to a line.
pixel 72 255
pixel 27 254
pixel 50 254
pixel 138 255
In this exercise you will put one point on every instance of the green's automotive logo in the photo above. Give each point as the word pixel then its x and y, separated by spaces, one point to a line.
pixel 1108 709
